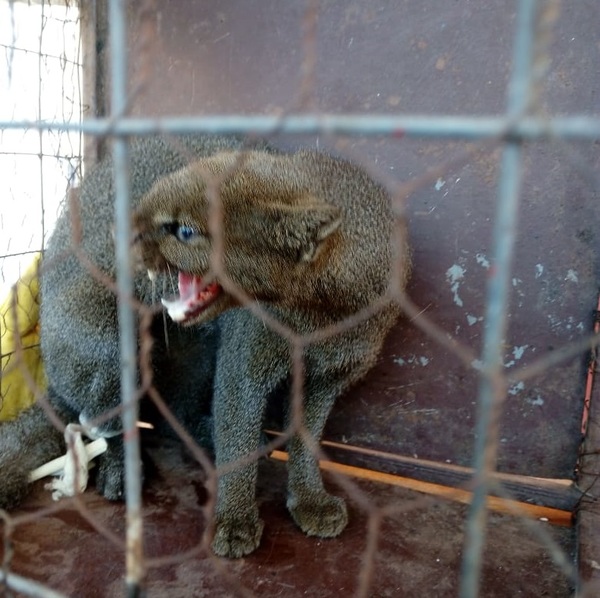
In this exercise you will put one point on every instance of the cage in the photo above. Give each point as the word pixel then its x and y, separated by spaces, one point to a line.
pixel 467 455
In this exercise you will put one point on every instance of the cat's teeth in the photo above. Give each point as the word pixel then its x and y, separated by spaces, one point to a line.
pixel 151 275
pixel 176 309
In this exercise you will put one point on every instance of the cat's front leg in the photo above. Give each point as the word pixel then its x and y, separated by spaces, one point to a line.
pixel 331 368
pixel 237 429
pixel 251 361
pixel 315 511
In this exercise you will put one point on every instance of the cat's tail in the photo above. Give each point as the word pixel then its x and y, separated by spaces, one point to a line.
pixel 26 442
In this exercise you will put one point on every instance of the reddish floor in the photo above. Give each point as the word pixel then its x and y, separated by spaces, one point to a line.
pixel 418 549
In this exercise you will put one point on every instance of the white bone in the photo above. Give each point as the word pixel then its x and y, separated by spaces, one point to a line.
pixel 73 467
pixel 54 467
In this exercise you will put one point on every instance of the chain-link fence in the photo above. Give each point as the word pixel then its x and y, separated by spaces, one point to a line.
pixel 484 368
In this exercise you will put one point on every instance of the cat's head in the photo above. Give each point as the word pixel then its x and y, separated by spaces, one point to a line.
pixel 234 222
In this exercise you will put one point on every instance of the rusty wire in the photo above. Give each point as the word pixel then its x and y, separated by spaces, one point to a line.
pixel 494 380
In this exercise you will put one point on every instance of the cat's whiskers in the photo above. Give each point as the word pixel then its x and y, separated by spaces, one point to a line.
pixel 164 315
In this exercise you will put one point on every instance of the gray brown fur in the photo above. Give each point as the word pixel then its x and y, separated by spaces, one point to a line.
pixel 305 234
pixel 79 333
pixel 308 236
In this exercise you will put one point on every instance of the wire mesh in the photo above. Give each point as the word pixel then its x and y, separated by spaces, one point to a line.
pixel 47 136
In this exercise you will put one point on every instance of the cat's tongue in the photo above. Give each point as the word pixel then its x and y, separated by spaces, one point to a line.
pixel 194 296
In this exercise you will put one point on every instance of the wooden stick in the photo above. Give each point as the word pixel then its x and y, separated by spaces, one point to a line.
pixel 513 507
pixel 559 494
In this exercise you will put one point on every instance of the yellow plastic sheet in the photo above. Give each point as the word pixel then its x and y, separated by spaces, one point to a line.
pixel 20 355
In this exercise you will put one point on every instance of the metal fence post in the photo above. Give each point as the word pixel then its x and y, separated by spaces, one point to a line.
pixel 492 386
pixel 133 484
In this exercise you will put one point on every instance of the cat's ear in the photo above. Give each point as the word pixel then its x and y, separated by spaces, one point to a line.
pixel 301 230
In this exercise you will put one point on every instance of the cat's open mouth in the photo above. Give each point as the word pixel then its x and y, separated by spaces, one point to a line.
pixel 194 297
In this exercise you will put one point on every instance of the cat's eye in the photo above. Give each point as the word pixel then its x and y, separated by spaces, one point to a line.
pixel 182 232
pixel 186 233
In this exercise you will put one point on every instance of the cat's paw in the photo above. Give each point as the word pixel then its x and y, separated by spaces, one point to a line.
pixel 319 515
pixel 236 537
pixel 110 479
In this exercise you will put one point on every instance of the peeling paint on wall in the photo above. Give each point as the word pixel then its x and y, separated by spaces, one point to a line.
pixel 515 389
pixel 539 270
pixel 538 401
pixel 556 324
pixel 517 353
pixel 472 320
pixel 454 275
pixel 572 276
pixel 413 360
pixel 482 260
